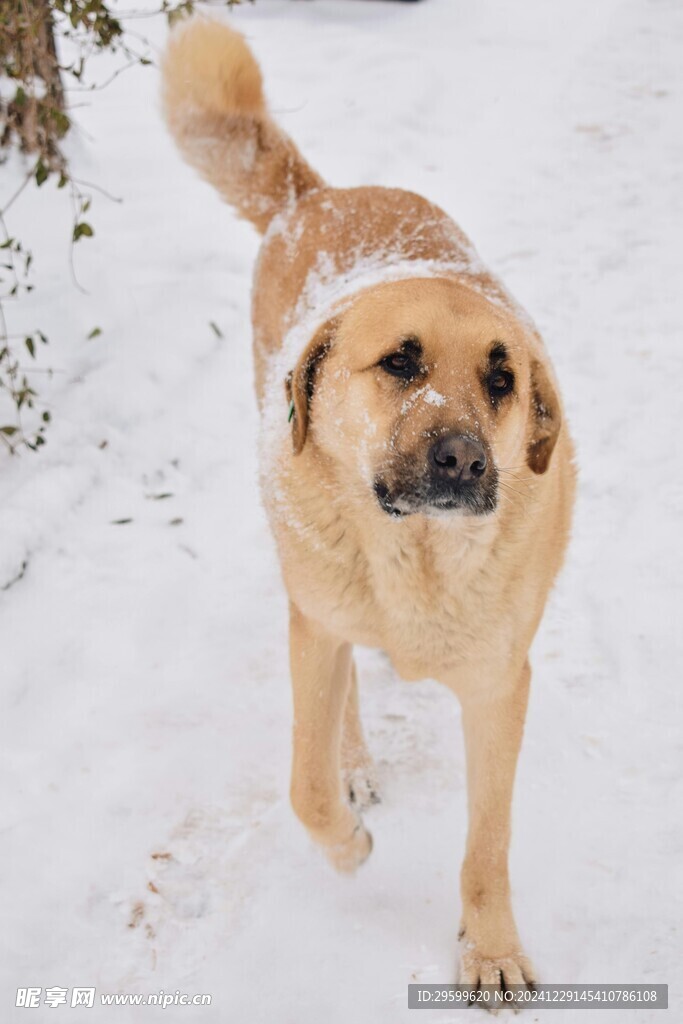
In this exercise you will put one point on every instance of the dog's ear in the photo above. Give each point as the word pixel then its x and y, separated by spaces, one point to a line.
pixel 300 383
pixel 545 419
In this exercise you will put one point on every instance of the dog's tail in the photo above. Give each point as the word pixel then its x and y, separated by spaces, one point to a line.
pixel 214 107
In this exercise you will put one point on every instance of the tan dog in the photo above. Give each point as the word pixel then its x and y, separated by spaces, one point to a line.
pixel 421 492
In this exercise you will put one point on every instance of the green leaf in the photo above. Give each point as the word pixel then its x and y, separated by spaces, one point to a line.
pixel 120 522
pixel 82 230
pixel 61 121
pixel 42 173
pixel 216 329
pixel 95 333
pixel 31 347
pixel 9 431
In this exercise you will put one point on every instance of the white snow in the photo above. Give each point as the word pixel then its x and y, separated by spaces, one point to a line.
pixel 432 397
pixel 147 841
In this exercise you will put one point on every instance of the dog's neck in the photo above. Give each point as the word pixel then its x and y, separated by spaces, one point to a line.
pixel 372 578
pixel 451 547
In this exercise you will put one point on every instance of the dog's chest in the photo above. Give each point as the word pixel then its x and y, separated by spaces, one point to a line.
pixel 418 593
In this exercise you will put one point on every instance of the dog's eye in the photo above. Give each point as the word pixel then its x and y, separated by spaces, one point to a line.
pixel 500 383
pixel 400 364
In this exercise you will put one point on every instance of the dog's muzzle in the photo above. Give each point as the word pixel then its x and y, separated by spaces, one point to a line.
pixel 459 477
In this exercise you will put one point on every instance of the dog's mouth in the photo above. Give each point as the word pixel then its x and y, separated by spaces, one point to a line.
pixel 430 498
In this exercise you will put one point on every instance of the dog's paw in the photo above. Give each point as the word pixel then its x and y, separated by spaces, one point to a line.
pixel 349 855
pixel 361 787
pixel 498 974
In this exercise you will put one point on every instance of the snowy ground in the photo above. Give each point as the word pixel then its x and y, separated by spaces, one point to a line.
pixel 147 841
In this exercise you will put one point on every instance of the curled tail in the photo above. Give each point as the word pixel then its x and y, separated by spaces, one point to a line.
pixel 214 107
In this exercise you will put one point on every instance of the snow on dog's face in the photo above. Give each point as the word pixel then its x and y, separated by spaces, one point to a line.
pixel 422 392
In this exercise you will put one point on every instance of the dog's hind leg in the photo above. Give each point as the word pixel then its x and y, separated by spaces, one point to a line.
pixel 321 679
pixel 358 769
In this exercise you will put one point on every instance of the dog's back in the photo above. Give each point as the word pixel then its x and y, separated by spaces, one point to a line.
pixel 315 236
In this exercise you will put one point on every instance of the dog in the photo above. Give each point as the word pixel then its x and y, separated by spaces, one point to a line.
pixel 416 468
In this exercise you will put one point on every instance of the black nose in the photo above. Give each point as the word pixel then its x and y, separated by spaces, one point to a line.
pixel 458 457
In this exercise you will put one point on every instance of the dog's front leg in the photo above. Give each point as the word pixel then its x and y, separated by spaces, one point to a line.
pixel 493 724
pixel 321 677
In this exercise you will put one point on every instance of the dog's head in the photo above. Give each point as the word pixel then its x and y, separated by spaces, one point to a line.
pixel 425 391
